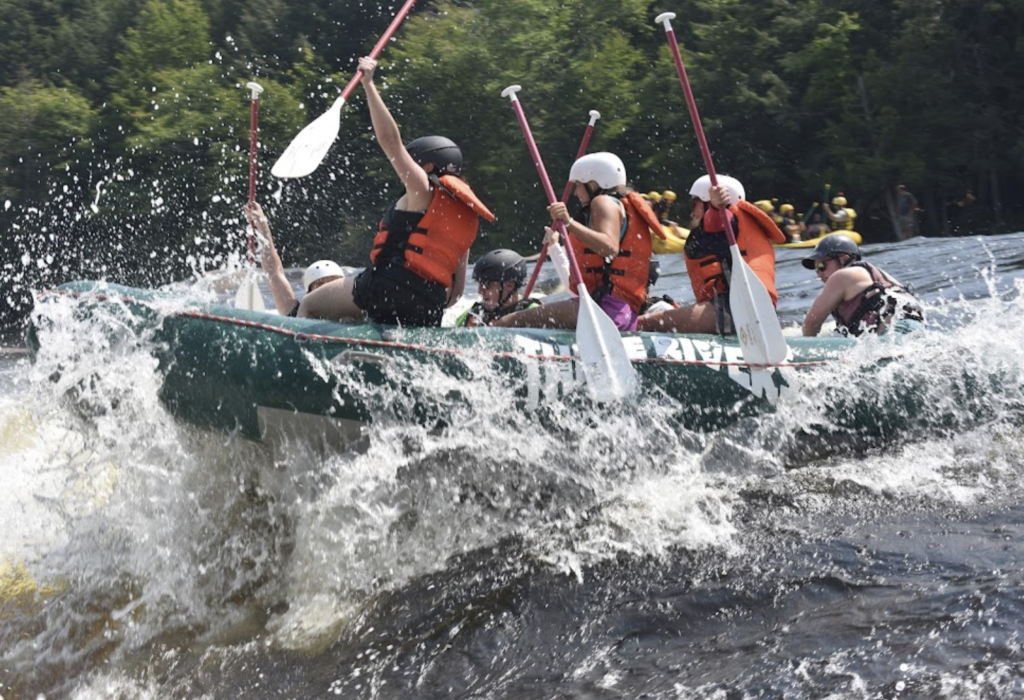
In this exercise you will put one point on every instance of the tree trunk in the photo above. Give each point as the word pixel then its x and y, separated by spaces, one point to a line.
pixel 890 203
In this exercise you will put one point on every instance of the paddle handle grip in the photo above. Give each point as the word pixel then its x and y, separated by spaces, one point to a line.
pixel 580 152
pixel 545 181
pixel 385 37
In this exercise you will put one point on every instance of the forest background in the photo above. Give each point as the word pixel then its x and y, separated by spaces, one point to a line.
pixel 125 123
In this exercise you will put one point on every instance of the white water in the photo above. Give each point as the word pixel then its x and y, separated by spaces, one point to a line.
pixel 158 537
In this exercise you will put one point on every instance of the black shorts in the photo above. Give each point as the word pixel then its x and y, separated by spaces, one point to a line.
pixel 396 295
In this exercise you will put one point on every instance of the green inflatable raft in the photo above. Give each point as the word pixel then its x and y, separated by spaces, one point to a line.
pixel 270 377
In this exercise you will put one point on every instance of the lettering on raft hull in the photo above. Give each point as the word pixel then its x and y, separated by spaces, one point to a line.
pixel 562 375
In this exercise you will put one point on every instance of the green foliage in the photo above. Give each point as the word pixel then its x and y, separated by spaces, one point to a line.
pixel 43 128
pixel 126 121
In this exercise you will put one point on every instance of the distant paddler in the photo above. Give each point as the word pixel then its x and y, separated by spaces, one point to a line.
pixel 675 235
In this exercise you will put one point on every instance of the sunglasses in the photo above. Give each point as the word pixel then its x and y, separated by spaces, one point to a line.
pixel 821 265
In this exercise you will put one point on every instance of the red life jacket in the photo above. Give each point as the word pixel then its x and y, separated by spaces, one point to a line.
pixel 705 250
pixel 625 275
pixel 433 247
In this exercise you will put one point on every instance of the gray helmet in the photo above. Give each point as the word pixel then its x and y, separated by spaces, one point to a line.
pixel 442 152
pixel 499 266
pixel 832 246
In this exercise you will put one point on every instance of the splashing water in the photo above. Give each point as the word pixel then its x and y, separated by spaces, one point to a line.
pixel 571 543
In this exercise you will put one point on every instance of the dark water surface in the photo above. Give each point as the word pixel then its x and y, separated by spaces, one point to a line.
pixel 611 556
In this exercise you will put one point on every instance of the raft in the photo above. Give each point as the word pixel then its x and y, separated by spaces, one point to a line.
pixel 674 240
pixel 273 378
pixel 810 243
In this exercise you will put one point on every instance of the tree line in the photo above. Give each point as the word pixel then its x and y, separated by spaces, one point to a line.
pixel 124 152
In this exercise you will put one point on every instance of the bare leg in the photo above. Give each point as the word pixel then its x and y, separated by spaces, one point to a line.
pixel 332 302
pixel 560 314
pixel 695 318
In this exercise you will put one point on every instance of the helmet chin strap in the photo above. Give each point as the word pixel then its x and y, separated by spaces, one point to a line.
pixel 502 298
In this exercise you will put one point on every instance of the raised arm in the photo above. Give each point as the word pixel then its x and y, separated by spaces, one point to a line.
pixel 412 175
pixel 284 297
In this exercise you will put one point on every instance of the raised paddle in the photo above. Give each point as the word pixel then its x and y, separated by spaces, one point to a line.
pixel 249 296
pixel 606 366
pixel 753 313
pixel 307 150
pixel 580 152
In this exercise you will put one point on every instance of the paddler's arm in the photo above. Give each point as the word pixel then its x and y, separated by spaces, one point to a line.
pixel 458 280
pixel 413 176
pixel 831 297
pixel 284 297
pixel 602 236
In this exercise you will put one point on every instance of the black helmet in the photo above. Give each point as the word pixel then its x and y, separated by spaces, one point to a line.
pixel 501 265
pixel 442 152
pixel 832 246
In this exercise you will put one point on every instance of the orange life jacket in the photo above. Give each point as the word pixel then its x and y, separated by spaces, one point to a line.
pixel 625 275
pixel 433 247
pixel 705 252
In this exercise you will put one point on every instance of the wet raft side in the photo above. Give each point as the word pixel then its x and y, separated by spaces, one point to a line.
pixel 231 369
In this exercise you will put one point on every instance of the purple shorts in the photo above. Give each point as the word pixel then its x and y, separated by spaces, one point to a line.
pixel 619 312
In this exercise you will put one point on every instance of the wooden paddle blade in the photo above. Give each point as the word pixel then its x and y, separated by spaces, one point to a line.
pixel 753 315
pixel 307 150
pixel 606 366
pixel 249 296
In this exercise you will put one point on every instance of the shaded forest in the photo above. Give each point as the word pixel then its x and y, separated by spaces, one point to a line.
pixel 124 152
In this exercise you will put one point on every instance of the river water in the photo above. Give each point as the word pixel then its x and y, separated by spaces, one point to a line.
pixel 611 556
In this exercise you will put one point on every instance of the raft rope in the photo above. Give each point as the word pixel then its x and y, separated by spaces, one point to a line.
pixel 301 337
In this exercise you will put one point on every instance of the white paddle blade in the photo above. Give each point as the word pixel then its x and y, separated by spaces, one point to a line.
pixel 606 366
pixel 307 150
pixel 249 296
pixel 753 315
pixel 560 263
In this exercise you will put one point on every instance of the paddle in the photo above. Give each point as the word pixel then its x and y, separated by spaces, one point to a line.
pixel 307 150
pixel 249 296
pixel 580 152
pixel 606 366
pixel 753 313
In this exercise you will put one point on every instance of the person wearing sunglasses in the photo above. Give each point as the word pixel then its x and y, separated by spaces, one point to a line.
pixel 860 296
pixel 499 276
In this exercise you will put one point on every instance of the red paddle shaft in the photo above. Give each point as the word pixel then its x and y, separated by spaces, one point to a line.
pixel 254 109
pixel 594 116
pixel 385 37
pixel 510 92
pixel 691 104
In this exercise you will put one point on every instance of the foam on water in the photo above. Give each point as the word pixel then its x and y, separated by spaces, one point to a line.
pixel 168 536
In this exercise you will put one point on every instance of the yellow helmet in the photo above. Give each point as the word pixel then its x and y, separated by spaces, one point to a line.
pixel 764 205
pixel 839 201
pixel 669 195
pixel 654 196
pixel 786 209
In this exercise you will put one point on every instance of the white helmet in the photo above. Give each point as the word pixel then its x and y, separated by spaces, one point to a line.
pixel 319 270
pixel 606 169
pixel 702 187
